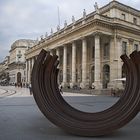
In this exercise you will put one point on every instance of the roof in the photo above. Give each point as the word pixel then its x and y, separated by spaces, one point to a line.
pixel 22 43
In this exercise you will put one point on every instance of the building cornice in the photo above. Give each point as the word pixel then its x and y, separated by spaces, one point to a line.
pixel 93 21
pixel 120 6
pixel 102 21
pixel 16 47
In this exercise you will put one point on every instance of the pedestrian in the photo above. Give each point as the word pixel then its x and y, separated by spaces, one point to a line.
pixel 113 92
pixel 15 84
pixel 93 87
pixel 60 89
pixel 21 85
pixel 30 88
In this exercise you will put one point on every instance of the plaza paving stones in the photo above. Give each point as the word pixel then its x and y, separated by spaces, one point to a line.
pixel 20 118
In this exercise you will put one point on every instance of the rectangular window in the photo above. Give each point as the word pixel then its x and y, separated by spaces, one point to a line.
pixel 135 20
pixel 136 47
pixel 106 50
pixel 123 16
pixel 93 53
pixel 124 47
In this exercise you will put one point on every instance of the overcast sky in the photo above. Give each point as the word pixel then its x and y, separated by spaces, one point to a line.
pixel 29 19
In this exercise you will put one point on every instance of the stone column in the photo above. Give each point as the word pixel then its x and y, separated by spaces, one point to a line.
pixel 26 71
pixel 58 54
pixel 64 84
pixel 113 60
pixel 73 81
pixel 31 67
pixel 29 71
pixel 120 63
pixel 84 63
pixel 130 46
pixel 32 62
pixel 97 81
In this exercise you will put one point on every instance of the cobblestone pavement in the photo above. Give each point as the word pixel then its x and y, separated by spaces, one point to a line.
pixel 20 118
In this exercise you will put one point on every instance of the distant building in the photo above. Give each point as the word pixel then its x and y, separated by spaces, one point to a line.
pixel 4 71
pixel 89 49
pixel 17 60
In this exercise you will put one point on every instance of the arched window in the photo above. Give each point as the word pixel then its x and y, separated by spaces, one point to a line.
pixel 106 75
pixel 106 50
pixel 92 74
pixel 18 77
pixel 124 47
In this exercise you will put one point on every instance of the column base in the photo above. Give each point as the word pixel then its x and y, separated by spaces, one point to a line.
pixel 64 84
pixel 97 85
pixel 72 85
pixel 84 85
pixel 116 84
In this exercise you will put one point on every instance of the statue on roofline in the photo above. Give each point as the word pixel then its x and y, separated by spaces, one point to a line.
pixel 96 8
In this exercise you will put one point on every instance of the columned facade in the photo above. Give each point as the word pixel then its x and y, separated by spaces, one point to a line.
pixel 93 60
pixel 89 52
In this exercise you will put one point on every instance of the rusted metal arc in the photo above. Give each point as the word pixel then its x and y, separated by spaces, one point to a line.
pixel 58 111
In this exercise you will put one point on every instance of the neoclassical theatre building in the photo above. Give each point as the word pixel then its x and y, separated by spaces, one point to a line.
pixel 89 49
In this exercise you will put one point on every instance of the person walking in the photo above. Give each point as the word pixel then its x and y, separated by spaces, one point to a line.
pixel 60 89
pixel 30 88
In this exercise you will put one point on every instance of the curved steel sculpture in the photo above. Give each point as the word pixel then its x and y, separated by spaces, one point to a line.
pixel 59 112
